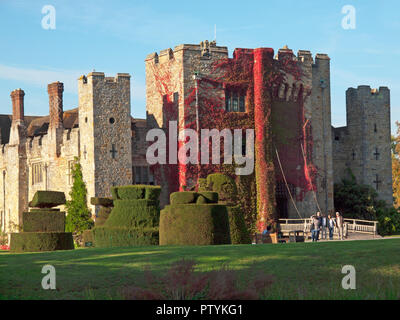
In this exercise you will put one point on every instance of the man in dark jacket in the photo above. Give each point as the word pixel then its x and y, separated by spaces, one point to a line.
pixel 315 226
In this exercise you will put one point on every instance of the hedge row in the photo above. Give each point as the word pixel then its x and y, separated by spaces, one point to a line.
pixel 43 221
pixel 122 237
pixel 237 226
pixel 194 224
pixel 41 241
pixel 134 214
pixel 47 199
pixel 136 192
pixel 188 197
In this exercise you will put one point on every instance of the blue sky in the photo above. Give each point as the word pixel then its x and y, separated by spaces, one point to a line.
pixel 116 36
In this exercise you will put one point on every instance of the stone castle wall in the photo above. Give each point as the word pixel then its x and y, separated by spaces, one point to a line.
pixel 363 146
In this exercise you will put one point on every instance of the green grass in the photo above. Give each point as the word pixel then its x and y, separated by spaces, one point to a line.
pixel 302 271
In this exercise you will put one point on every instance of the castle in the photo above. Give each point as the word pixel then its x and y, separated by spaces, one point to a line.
pixel 299 155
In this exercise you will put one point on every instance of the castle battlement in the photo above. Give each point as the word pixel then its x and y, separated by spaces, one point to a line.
pixel 100 76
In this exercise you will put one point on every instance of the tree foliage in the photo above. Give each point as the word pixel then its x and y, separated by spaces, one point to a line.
pixel 79 216
pixel 356 201
pixel 396 166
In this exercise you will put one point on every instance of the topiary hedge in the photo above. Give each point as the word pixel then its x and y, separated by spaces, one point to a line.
pixel 134 219
pixel 123 237
pixel 47 199
pixel 183 197
pixel 194 224
pixel 41 241
pixel 224 185
pixel 134 214
pixel 43 220
pixel 237 226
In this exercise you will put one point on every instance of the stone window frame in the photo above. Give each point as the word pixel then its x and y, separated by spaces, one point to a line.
pixel 37 173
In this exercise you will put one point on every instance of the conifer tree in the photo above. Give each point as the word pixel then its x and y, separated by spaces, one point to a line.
pixel 78 214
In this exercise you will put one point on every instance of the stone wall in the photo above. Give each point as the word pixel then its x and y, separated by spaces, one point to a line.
pixel 364 145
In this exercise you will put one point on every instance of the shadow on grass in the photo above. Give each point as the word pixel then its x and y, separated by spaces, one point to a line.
pixel 302 270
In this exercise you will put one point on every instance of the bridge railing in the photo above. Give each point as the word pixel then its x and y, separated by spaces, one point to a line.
pixel 350 225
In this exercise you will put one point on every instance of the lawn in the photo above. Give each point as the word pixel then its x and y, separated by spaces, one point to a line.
pixel 302 270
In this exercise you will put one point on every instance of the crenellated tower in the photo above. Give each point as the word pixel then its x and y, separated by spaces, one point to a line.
pixel 105 131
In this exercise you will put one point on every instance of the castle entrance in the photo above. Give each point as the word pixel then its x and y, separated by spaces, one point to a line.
pixel 281 197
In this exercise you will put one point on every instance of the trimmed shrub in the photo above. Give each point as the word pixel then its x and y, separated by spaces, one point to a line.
pixel 41 241
pixel 194 224
pixel 183 197
pixel 131 192
pixel 134 214
pixel 201 200
pixel 114 193
pixel 237 226
pixel 212 197
pixel 122 237
pixel 43 220
pixel 103 214
pixel 87 236
pixel 224 185
pixel 152 192
pixel 202 184
pixel 47 199
pixel 134 219
pixel 104 202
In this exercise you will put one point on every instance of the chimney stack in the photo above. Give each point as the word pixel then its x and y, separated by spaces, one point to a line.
pixel 17 97
pixel 55 91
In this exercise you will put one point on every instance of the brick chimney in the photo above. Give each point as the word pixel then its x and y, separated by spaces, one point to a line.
pixel 55 91
pixel 56 128
pixel 17 97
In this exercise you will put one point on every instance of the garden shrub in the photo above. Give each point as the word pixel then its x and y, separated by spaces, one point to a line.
pixel 131 192
pixel 183 197
pixel 43 220
pixel 87 236
pixel 123 237
pixel 194 224
pixel 212 197
pixel 47 199
pixel 43 229
pixel 134 219
pixel 41 241
pixel 389 221
pixel 224 185
pixel 237 226
pixel 104 202
pixel 134 214
pixel 152 193
pixel 202 184
pixel 201 199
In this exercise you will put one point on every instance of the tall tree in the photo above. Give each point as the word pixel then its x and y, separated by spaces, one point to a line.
pixel 396 166
pixel 79 216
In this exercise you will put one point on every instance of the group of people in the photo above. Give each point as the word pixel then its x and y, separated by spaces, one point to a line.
pixel 321 223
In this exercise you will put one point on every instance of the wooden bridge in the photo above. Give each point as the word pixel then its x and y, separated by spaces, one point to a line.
pixel 350 226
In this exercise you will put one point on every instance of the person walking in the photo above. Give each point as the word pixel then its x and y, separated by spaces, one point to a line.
pixel 315 226
pixel 331 225
pixel 339 225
